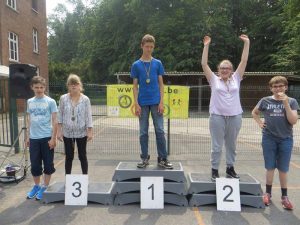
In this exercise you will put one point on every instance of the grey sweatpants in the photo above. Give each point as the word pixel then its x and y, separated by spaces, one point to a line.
pixel 224 129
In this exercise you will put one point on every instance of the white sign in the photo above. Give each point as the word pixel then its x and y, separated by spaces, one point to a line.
pixel 228 194
pixel 152 192
pixel 76 192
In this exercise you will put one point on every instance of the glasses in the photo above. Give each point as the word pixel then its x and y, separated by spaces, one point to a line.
pixel 225 68
pixel 278 86
pixel 73 84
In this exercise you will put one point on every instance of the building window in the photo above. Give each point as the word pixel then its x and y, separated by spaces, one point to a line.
pixel 35 40
pixel 38 71
pixel 12 4
pixel 34 5
pixel 13 47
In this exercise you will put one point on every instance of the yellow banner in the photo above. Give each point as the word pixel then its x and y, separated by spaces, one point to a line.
pixel 120 101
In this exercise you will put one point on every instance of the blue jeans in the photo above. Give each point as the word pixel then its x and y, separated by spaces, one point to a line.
pixel 277 152
pixel 158 122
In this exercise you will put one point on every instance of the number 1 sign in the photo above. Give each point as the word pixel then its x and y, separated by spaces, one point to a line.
pixel 228 194
pixel 152 192
pixel 76 191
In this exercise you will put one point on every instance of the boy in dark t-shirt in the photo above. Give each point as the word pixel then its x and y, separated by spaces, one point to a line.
pixel 280 114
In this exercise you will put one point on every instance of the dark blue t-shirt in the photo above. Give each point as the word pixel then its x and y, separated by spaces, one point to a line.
pixel 275 116
pixel 149 93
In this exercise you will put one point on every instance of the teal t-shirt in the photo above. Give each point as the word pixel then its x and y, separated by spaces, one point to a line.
pixel 40 112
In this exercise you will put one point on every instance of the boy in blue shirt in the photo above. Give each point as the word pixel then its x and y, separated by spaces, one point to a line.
pixel 148 91
pixel 41 137
pixel 280 114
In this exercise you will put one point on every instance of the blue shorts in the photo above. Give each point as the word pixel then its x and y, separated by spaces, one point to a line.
pixel 277 152
pixel 41 153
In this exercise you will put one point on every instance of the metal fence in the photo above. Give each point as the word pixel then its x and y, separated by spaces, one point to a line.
pixel 120 136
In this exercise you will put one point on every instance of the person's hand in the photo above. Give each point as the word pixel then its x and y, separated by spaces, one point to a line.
pixel 206 40
pixel 262 124
pixel 89 135
pixel 282 97
pixel 59 135
pixel 52 143
pixel 138 110
pixel 244 38
pixel 161 108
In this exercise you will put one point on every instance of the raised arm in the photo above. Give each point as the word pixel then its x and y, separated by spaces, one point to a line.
pixel 242 66
pixel 207 71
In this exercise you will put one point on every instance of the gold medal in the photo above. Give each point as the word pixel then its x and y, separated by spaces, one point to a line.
pixel 148 81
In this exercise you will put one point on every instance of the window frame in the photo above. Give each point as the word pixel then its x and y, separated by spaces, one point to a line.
pixel 13 46
pixel 35 40
pixel 12 4
pixel 34 5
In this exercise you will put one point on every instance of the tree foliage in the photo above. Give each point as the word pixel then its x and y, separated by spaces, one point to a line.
pixel 100 40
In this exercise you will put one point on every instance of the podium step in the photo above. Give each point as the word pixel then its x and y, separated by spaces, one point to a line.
pixel 200 183
pixel 97 192
pixel 127 171
pixel 207 199
pixel 171 187
pixel 129 198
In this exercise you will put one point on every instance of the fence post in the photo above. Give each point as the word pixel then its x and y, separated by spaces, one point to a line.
pixel 169 124
pixel 13 122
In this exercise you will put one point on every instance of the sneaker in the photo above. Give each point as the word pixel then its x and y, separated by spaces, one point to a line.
pixel 164 163
pixel 144 162
pixel 230 173
pixel 39 195
pixel 286 204
pixel 33 191
pixel 214 174
pixel 267 199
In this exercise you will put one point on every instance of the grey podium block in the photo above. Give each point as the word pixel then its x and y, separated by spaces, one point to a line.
pixel 171 187
pixel 207 199
pixel 54 193
pixel 128 171
pixel 101 193
pixel 129 198
pixel 199 183
pixel 97 192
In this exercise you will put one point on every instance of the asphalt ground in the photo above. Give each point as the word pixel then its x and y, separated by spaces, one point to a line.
pixel 16 209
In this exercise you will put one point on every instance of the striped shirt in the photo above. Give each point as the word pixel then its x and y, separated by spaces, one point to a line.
pixel 76 119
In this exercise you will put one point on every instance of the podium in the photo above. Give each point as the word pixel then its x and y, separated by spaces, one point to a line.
pixel 97 192
pixel 203 191
pixel 127 183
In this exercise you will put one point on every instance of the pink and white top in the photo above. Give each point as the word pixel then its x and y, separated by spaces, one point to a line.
pixel 225 95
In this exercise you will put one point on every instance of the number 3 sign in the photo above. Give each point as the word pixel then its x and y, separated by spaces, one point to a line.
pixel 76 191
pixel 228 194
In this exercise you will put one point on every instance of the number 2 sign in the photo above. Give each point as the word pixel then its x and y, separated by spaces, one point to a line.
pixel 76 191
pixel 228 194
pixel 152 193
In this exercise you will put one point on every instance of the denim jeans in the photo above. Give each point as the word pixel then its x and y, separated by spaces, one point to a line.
pixel 158 122
pixel 277 152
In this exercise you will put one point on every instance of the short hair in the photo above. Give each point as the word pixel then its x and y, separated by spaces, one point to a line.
pixel 277 80
pixel 148 38
pixel 38 80
pixel 227 62
pixel 74 79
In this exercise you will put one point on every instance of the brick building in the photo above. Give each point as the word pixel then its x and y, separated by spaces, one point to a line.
pixel 23 35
